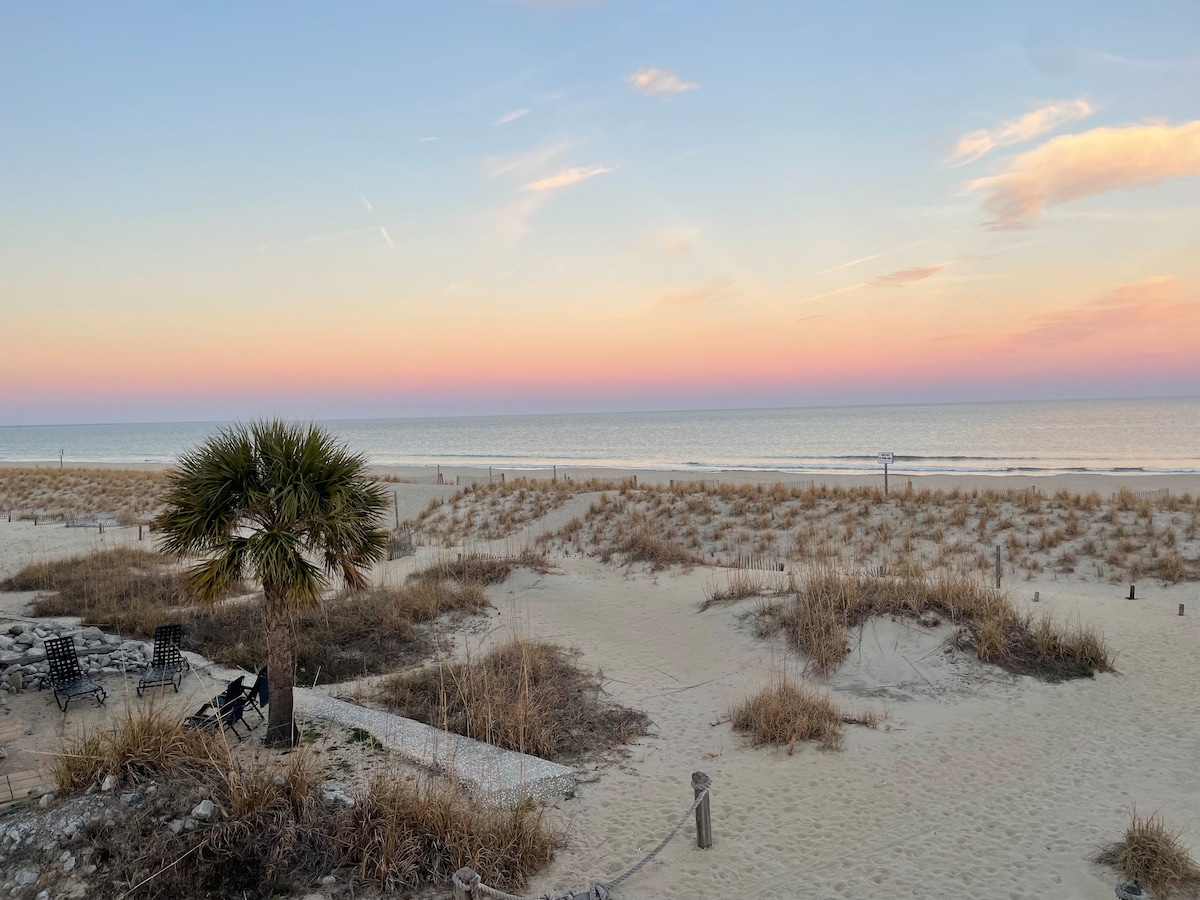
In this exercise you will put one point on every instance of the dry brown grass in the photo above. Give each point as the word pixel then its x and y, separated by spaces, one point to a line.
pixel 131 592
pixel 401 836
pixel 787 713
pixel 739 584
pixel 123 589
pixel 830 602
pixel 128 495
pixel 1155 856
pixel 474 567
pixel 139 746
pixel 645 547
pixel 271 830
pixel 347 636
pixel 529 696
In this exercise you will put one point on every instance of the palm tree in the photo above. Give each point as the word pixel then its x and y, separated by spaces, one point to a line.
pixel 287 505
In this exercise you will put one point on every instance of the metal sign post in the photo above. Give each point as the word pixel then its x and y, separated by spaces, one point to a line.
pixel 885 460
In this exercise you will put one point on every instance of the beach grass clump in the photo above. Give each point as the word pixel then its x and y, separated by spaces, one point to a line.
pixel 271 831
pixel 742 583
pixel 645 546
pixel 524 695
pixel 1153 854
pixel 480 568
pixel 141 745
pixel 830 602
pixel 124 589
pixel 787 714
pixel 401 836
pixel 345 637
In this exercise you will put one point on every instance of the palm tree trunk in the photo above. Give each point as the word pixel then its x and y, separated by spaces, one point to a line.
pixel 281 667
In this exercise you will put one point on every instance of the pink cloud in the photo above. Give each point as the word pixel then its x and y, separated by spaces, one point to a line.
pixel 904 276
pixel 1076 166
pixel 1152 301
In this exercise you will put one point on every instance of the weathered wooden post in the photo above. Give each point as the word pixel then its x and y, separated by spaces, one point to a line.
pixel 1181 609
pixel 465 880
pixel 502 478
pixel 396 507
pixel 139 532
pixel 635 480
pixel 489 474
pixel 700 784
pixel 439 473
pixel 1037 595
pixel 554 478
pixel 1131 593
pixel 997 567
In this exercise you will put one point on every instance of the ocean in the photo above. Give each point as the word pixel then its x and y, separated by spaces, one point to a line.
pixel 1112 436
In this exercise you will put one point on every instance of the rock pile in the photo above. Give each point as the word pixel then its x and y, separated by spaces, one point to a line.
pixel 23 663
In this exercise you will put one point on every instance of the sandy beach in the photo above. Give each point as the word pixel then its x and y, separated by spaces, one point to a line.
pixel 980 783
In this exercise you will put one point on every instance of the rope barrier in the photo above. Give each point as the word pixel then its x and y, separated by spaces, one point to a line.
pixel 467 882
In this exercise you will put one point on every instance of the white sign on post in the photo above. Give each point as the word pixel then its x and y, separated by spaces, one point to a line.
pixel 886 459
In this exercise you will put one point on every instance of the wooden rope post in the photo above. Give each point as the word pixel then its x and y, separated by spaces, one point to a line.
pixel 1132 593
pixel 700 784
pixel 997 567
pixel 139 532
pixel 1181 609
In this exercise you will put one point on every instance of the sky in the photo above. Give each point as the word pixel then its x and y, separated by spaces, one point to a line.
pixel 342 210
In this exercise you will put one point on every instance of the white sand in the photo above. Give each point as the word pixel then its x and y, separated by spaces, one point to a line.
pixel 982 785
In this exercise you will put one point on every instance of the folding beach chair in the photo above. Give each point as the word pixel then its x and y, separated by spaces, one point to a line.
pixel 167 664
pixel 258 695
pixel 223 712
pixel 66 677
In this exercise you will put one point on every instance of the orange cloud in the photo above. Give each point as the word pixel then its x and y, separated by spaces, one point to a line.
pixel 691 296
pixel 904 276
pixel 1076 166
pixel 1153 301
pixel 566 178
pixel 974 145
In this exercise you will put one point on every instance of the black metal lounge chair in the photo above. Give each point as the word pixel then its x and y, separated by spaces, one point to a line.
pixel 225 711
pixel 258 695
pixel 66 677
pixel 167 664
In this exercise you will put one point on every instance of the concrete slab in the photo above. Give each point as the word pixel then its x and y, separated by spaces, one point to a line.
pixel 503 776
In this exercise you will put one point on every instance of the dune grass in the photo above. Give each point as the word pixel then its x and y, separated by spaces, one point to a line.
pixel 130 495
pixel 829 602
pixel 272 832
pixel 787 713
pixel 529 696
pixel 124 589
pixel 1154 855
pixel 483 569
pixel 131 591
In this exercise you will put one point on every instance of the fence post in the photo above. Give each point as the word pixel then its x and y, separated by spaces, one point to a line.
pixel 139 532
pixel 997 566
pixel 1181 609
pixel 465 880
pixel 396 507
pixel 700 784
pixel 439 474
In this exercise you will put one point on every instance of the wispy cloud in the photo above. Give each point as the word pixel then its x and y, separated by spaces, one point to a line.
pixel 511 116
pixel 1076 166
pixel 659 82
pixel 566 178
pixel 904 276
pixel 528 164
pixel 1152 301
pixel 366 203
pixel 972 146
pixel 370 229
pixel 863 259
pixel 426 140
pixel 687 297
pixel 899 278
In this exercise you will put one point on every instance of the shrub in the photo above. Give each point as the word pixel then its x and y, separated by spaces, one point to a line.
pixel 643 546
